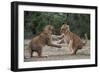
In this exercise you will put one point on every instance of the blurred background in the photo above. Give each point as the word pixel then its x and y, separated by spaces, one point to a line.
pixel 34 22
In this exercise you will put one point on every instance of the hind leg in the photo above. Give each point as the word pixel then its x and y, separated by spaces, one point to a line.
pixel 31 53
pixel 40 54
pixel 74 51
pixel 70 46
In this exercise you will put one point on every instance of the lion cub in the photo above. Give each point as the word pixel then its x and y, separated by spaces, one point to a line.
pixel 38 42
pixel 74 42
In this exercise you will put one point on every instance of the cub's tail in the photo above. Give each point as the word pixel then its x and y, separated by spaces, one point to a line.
pixel 86 39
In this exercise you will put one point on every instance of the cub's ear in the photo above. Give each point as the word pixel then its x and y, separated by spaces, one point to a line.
pixel 67 23
pixel 63 23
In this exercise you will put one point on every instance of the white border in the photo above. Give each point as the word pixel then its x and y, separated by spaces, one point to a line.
pixel 22 64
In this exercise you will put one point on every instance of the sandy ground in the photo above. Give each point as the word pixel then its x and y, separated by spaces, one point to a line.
pixel 54 53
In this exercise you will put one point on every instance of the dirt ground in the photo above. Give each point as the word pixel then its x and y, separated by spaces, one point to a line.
pixel 54 53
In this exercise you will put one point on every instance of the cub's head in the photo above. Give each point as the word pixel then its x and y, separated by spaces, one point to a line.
pixel 64 28
pixel 48 29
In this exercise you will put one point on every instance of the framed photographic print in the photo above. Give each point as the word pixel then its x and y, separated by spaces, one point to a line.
pixel 52 36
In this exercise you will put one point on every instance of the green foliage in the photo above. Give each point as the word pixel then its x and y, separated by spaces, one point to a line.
pixel 34 22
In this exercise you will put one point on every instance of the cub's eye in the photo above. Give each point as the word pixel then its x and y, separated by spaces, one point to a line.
pixel 63 29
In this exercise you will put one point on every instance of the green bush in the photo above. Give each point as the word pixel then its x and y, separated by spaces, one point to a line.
pixel 34 22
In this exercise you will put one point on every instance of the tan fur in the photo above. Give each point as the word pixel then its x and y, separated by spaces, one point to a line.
pixel 74 42
pixel 38 42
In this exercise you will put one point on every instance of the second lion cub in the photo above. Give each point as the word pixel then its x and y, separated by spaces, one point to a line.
pixel 74 42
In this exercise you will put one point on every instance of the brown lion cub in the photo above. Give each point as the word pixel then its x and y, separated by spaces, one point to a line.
pixel 74 42
pixel 38 42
